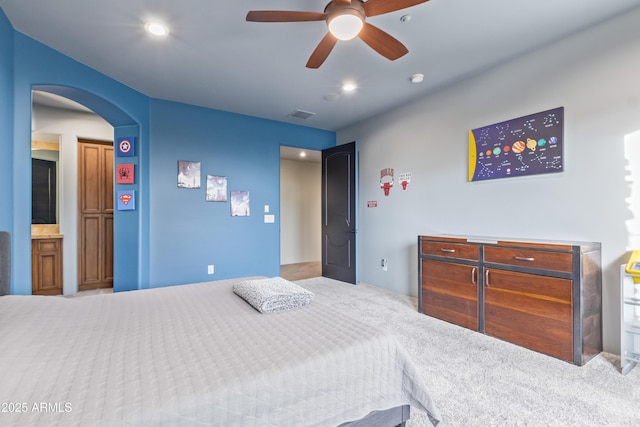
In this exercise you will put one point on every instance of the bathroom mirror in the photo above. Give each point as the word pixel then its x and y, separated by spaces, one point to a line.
pixel 44 182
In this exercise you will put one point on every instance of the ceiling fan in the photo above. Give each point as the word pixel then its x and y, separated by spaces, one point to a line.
pixel 345 19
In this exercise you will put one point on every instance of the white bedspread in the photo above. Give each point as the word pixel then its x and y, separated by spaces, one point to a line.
pixel 194 355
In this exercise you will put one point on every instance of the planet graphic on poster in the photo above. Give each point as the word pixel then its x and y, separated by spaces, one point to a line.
pixel 496 151
pixel 518 147
pixel 542 142
pixel 553 140
pixel 532 144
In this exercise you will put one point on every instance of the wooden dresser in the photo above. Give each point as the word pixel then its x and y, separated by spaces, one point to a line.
pixel 543 295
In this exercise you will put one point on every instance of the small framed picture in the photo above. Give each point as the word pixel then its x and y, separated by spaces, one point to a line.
pixel 240 203
pixel 216 188
pixel 125 174
pixel 126 200
pixel 126 146
pixel 188 174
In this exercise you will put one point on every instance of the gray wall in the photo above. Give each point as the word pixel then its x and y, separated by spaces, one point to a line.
pixel 300 211
pixel 594 75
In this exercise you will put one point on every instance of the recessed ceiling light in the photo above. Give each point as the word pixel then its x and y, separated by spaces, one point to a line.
pixel 349 87
pixel 303 154
pixel 156 28
pixel 417 78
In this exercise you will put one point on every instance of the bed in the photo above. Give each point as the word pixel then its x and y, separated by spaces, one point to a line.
pixel 198 355
pixel 5 262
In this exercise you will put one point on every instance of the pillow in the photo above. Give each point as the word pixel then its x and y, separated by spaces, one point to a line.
pixel 272 294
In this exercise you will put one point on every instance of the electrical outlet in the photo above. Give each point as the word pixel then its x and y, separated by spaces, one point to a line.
pixel 384 264
pixel 210 269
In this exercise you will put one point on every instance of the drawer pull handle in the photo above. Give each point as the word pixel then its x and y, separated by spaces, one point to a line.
pixel 473 275
pixel 486 278
pixel 522 258
pixel 449 251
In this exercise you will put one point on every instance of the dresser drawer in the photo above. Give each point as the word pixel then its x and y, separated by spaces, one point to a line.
pixel 534 258
pixel 46 245
pixel 451 250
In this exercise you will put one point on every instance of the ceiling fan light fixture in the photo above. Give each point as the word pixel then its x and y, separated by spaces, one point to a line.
pixel 345 26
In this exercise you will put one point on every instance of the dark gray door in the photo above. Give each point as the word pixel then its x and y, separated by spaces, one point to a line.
pixel 339 216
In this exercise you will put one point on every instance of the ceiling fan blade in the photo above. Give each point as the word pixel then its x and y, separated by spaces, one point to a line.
pixel 382 42
pixel 284 16
pixel 378 7
pixel 322 51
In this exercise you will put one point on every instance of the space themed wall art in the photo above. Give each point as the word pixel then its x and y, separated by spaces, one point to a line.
pixel 527 145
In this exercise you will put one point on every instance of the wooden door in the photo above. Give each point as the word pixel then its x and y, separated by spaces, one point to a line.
pixel 339 217
pixel 95 215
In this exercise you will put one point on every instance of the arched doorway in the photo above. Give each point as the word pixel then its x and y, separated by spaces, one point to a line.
pixel 79 256
pixel 126 226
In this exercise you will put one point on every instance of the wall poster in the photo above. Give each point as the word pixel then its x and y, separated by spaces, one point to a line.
pixel 216 188
pixel 188 174
pixel 240 203
pixel 126 146
pixel 125 173
pixel 527 145
pixel 126 200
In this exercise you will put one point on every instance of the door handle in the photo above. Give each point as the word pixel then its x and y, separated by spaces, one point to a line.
pixel 473 275
pixel 522 258
pixel 449 251
pixel 486 278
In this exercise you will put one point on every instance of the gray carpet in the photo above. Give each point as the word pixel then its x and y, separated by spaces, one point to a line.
pixel 477 380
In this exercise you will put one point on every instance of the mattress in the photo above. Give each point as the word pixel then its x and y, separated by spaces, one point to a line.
pixel 195 355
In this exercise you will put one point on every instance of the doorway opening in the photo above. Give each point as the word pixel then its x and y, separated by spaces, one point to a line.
pixel 300 213
pixel 56 122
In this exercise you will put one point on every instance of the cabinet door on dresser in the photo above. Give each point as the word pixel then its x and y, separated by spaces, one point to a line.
pixel 450 292
pixel 46 260
pixel 530 310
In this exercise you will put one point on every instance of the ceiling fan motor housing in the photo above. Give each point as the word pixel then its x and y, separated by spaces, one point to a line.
pixel 352 17
pixel 355 8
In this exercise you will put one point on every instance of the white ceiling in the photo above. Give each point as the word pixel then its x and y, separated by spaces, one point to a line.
pixel 214 58
pixel 291 153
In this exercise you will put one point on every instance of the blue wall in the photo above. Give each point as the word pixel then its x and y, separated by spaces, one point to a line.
pixel 187 232
pixel 6 122
pixel 174 233
pixel 38 66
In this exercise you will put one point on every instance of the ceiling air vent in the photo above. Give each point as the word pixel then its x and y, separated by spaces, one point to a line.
pixel 300 114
